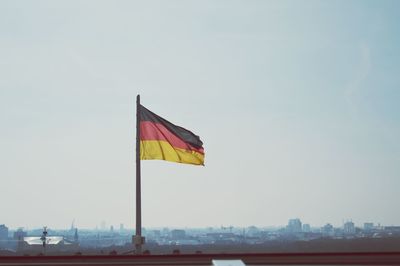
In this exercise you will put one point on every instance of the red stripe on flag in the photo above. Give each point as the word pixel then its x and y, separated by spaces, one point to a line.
pixel 155 131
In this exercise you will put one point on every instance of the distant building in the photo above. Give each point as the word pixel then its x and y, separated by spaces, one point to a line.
pixel 3 232
pixel 188 242
pixel 368 226
pixel 294 226
pixel 306 228
pixel 252 231
pixel 349 228
pixel 220 238
pixel 392 229
pixel 121 227
pixel 53 244
pixel 19 234
pixel 165 231
pixel 327 230
pixel 157 233
pixel 178 234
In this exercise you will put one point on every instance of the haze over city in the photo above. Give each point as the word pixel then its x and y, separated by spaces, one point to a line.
pixel 297 104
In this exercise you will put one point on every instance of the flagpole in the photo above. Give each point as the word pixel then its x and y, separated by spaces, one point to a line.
pixel 137 239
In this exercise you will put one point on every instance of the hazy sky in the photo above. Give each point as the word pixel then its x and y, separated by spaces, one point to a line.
pixel 297 103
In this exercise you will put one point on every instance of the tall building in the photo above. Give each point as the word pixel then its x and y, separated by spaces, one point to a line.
pixel 349 228
pixel 20 234
pixel 306 228
pixel 327 230
pixel 294 226
pixel 3 232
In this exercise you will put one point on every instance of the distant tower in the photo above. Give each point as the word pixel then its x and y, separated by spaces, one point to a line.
pixel 76 237
pixel 73 225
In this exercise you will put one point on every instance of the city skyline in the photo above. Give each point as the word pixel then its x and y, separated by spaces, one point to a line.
pixel 295 236
pixel 104 226
pixel 296 103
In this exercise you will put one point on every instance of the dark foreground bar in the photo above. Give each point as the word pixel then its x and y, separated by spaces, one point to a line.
pixel 381 258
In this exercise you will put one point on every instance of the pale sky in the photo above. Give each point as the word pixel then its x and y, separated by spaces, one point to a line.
pixel 297 103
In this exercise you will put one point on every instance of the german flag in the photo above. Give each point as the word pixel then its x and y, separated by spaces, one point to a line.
pixel 162 140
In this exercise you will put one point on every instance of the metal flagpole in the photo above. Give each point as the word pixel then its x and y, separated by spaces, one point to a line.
pixel 138 240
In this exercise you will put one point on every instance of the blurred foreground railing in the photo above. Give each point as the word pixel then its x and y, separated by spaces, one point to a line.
pixel 377 258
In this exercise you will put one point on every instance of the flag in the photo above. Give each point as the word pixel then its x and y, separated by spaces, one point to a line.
pixel 162 140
